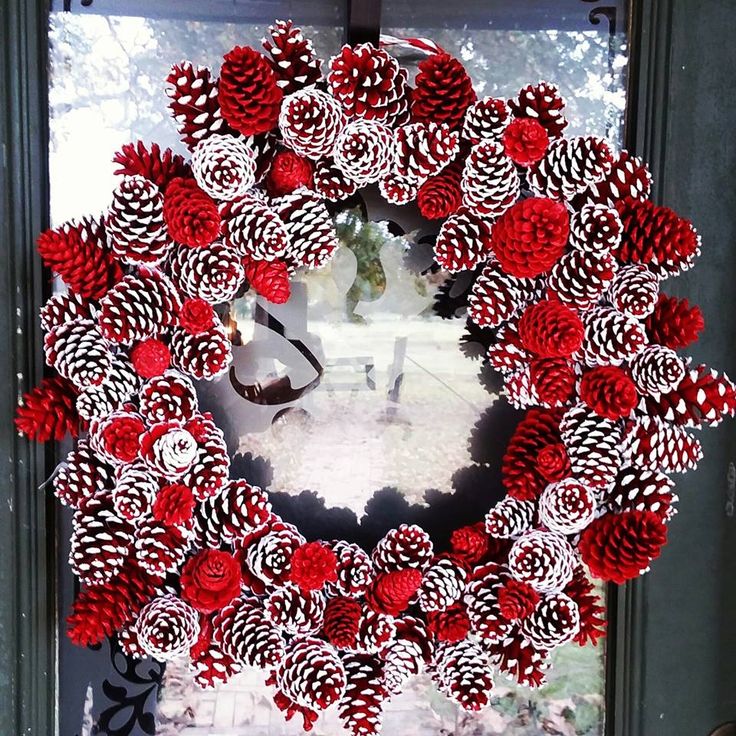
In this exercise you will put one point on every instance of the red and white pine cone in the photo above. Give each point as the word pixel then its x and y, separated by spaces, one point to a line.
pixel 403 547
pixel 567 506
pixel 167 627
pixel 490 183
pixel 310 122
pixel 293 58
pixel 545 560
pixel 213 272
pixel 541 102
pixel 463 242
pixel 224 166
pixel 253 228
pixel 595 229
pixel 364 151
pixel 485 119
pixel 422 150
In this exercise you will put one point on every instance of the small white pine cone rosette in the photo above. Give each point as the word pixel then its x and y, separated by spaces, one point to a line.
pixel 563 256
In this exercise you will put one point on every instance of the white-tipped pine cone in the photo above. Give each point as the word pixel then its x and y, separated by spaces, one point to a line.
pixel 496 296
pixel 135 491
pixel 354 570
pixel 510 517
pixel 330 181
pixel 253 229
pixel 443 583
pixel 135 222
pixel 520 390
pixel 634 291
pixel 567 506
pixel 295 611
pixel 226 517
pixel 406 655
pixel 142 305
pixel 595 229
pixel 507 354
pixel 481 601
pixel 213 272
pixel 611 337
pixel 100 541
pixel 544 103
pixel 170 397
pixel 555 621
pixel 168 450
pixel 269 558
pixel 79 352
pixel 580 278
pixel 158 548
pixel 638 489
pixel 167 627
pixel 464 241
pixel 211 467
pixel 245 633
pixel 62 308
pixel 463 674
pixel 376 631
pixel 312 235
pixel 657 370
pixel 402 547
pixel 593 445
pixel 224 166
pixel 311 674
pixel 120 385
pixel 83 474
pixel 310 121
pixel 545 560
pixel 361 707
pixel 629 177
pixel 653 444
pixel 486 119
pixel 396 189
pixel 364 151
pixel 204 356
pixel 570 166
pixel 490 183
pixel 422 150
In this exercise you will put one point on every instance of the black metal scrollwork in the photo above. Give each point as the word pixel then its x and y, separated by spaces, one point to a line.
pixel 610 12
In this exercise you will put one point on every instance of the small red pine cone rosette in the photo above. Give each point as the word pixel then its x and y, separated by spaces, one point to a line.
pixel 210 580
pixel 608 391
pixel 525 141
pixel 118 436
pixel 440 196
pixel 196 316
pixel 451 625
pixel 531 236
pixel 288 172
pixel 191 216
pixel 517 600
pixel 553 464
pixel 549 329
pixel 554 380
pixel 150 358
pixel 174 505
pixel 312 565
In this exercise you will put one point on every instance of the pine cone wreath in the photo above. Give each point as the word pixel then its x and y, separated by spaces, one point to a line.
pixel 213 272
pixel 170 397
pixel 638 489
pixel 249 95
pixel 593 445
pixel 167 627
pixel 191 216
pixel 569 167
pixel 204 356
pixel 442 92
pixel 619 547
pixel 490 183
pixel 245 633
pixel 270 279
pixel 331 183
pixel 312 674
pixel 497 296
pixel 118 387
pixel 159 167
pixel 77 251
pixel 443 584
pixel 48 411
pixel 530 237
pixel 361 707
pixel 364 151
pixel 403 547
pixel 611 338
pixel 579 278
pixel 79 352
pixel 311 231
pixel 555 621
pixel 510 518
pixel 310 122
pixel 567 506
pixel 140 306
pixel 486 119
pixel 82 475
pixel 674 323
pixel 544 103
pixel 463 242
pixel 463 674
pixel 657 370
pixel 544 560
pixel 224 166
pixel 369 83
pixel 194 103
pixel 656 237
pixel 629 177
pixel 440 196
pixel 595 229
pixel 293 59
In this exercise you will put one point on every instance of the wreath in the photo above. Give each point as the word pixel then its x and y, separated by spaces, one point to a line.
pixel 568 255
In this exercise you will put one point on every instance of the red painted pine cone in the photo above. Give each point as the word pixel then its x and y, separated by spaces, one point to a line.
pixel 270 279
pixel 450 625
pixel 619 547
pixel 544 103
pixel 48 411
pixel 135 159
pixel 249 95
pixel 516 600
pixel 440 196
pixel 674 323
pixel 191 216
pixel 531 236
pixel 554 380
pixel 551 330
pixel 288 172
pixel 608 391
pixel 293 59
pixel 443 91
pixel 525 141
